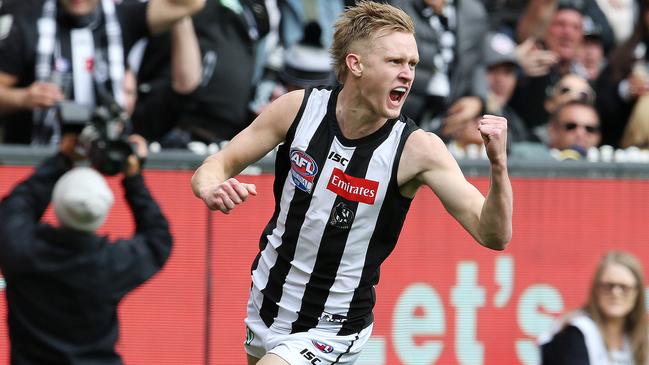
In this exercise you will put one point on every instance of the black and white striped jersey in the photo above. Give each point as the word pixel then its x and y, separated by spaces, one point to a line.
pixel 338 214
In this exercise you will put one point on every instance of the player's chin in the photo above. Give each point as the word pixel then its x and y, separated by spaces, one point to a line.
pixel 392 112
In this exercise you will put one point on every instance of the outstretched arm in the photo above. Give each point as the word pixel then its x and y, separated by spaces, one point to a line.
pixel 186 67
pixel 213 181
pixel 426 161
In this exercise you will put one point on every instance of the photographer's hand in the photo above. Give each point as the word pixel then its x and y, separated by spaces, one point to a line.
pixel 135 161
pixel 68 147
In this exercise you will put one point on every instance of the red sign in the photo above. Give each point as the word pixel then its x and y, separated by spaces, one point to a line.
pixel 441 299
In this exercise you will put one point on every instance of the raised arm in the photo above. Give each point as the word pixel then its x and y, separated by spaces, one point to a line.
pixel 426 161
pixel 213 181
pixel 162 14
pixel 186 67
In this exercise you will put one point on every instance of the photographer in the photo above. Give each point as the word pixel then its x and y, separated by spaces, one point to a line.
pixel 64 284
pixel 66 51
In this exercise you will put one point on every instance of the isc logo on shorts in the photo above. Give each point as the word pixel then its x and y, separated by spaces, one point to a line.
pixel 303 170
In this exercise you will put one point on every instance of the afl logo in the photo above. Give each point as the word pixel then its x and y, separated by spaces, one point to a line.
pixel 303 170
pixel 322 346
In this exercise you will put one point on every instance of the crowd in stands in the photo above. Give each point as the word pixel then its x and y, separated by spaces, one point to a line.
pixel 571 76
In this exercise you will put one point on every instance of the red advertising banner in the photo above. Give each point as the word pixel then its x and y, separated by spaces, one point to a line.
pixel 442 298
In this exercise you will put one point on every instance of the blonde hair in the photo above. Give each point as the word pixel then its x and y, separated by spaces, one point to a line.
pixel 635 325
pixel 636 132
pixel 365 21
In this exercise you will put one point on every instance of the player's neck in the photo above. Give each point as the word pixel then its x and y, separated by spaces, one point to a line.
pixel 355 118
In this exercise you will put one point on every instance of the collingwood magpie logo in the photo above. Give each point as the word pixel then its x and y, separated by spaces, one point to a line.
pixel 341 216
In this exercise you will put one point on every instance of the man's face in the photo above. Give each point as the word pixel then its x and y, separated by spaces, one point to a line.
pixel 564 34
pixel 388 70
pixel 79 8
pixel 576 125
pixel 502 81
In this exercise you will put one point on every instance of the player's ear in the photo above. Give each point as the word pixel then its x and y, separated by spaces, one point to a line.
pixel 353 62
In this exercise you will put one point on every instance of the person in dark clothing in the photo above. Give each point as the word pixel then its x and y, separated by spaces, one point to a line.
pixel 39 66
pixel 64 284
pixel 228 33
pixel 624 81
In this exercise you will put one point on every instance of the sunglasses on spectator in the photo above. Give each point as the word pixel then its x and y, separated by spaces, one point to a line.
pixel 583 96
pixel 571 126
pixel 610 287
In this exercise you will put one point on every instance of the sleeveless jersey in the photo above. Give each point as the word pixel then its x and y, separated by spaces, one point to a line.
pixel 338 215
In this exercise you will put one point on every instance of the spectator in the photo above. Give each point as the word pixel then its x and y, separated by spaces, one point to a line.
pixel 591 55
pixel 624 80
pixel 611 328
pixel 292 22
pixel 563 37
pixel 39 67
pixel 64 284
pixel 168 78
pixel 636 132
pixel 306 64
pixel 451 88
pixel 574 127
pixel 570 87
pixel 467 142
pixel 228 34
pixel 614 18
pixel 504 14
pixel 501 62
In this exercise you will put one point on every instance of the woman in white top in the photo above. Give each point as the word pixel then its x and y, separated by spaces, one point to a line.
pixel 612 327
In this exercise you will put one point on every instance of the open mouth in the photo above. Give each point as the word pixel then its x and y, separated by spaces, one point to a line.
pixel 397 94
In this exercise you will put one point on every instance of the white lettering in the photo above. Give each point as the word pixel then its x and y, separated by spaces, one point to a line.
pixel 467 296
pixel 407 325
pixel 532 319
pixel 351 189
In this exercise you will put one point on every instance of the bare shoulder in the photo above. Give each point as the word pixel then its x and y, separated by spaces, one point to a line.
pixel 423 151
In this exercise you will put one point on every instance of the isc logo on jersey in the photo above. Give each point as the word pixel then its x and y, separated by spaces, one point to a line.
pixel 303 170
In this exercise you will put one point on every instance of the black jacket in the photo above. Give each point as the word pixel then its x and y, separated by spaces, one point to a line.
pixel 64 286
pixel 568 347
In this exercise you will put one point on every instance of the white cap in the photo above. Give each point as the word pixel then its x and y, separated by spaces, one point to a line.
pixel 82 199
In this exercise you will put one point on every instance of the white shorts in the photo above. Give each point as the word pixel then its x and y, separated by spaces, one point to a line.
pixel 315 347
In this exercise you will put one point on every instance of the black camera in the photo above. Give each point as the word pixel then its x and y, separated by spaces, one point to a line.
pixel 103 132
